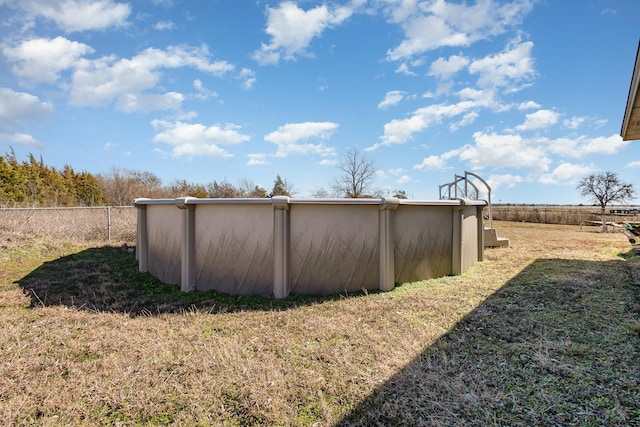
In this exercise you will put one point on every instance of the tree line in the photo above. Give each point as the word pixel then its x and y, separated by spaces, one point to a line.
pixel 31 183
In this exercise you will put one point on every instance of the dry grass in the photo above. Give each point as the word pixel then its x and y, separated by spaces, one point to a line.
pixel 551 214
pixel 84 224
pixel 541 333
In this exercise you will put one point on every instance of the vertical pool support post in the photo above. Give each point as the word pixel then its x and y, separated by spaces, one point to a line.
pixel 188 250
pixel 281 246
pixel 142 247
pixel 457 239
pixel 386 240
pixel 480 218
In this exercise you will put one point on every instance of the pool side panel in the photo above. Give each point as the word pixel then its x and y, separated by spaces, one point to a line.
pixel 334 248
pixel 234 249
pixel 470 236
pixel 423 246
pixel 164 242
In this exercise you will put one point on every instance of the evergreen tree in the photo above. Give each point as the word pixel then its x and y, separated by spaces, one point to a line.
pixel 280 187
pixel 33 183
pixel 89 192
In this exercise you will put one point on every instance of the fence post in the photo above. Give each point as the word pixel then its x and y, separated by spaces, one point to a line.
pixel 108 223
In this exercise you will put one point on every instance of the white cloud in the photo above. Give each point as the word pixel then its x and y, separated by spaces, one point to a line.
pixel 98 82
pixel 467 120
pixel 127 83
pixel 21 138
pixel 435 24
pixel 503 69
pixel 195 139
pixel 599 123
pixel 42 60
pixel 404 69
pixel 446 68
pixel 181 56
pixel 510 66
pixel 635 164
pixel 604 145
pixel 563 146
pixel 399 131
pixel 426 33
pixel 391 98
pixel 404 179
pixel 293 132
pixel 79 15
pixel 512 151
pixel 328 162
pixel 257 159
pixel 248 78
pixel 203 92
pixel 485 96
pixel 288 138
pixel 581 146
pixel 431 163
pixel 566 173
pixel 574 122
pixel 18 107
pixel 292 29
pixel 164 25
pixel 539 119
pixel 508 180
pixel 144 103
pixel 528 105
pixel 493 150
pixel 104 80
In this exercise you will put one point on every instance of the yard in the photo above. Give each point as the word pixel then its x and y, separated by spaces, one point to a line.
pixel 544 332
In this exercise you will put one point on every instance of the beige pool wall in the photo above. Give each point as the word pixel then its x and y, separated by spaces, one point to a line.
pixel 281 246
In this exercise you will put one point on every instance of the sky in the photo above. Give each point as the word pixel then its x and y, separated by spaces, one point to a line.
pixel 528 94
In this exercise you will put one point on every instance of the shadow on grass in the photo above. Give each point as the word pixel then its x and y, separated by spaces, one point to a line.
pixel 107 279
pixel 554 346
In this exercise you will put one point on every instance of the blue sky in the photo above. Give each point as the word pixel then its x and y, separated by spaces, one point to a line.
pixel 529 94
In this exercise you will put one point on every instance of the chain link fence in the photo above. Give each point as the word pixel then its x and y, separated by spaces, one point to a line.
pixel 113 224
pixel 566 215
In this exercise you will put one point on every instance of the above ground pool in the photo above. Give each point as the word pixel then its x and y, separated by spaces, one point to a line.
pixel 282 246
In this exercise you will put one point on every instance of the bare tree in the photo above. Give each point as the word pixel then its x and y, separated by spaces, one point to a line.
pixel 604 188
pixel 151 184
pixel 182 188
pixel 320 193
pixel 358 172
pixel 400 194
pixel 223 190
pixel 249 189
pixel 122 185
